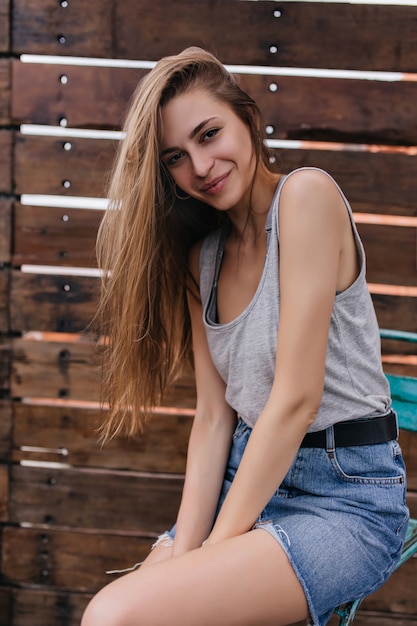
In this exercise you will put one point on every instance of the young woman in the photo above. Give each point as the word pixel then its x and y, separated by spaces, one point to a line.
pixel 294 496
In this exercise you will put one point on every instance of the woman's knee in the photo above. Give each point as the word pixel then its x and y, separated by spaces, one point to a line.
pixel 126 601
pixel 104 609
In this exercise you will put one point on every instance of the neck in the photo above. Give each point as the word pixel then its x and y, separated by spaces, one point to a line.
pixel 249 221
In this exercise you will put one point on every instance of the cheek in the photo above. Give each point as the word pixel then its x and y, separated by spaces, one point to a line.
pixel 243 148
pixel 181 178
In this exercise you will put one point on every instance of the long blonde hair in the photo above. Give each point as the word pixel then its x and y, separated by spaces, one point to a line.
pixel 144 240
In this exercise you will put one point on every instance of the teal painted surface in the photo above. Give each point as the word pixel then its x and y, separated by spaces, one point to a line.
pixel 398 334
pixel 404 400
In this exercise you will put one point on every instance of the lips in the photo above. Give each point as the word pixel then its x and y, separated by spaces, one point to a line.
pixel 214 185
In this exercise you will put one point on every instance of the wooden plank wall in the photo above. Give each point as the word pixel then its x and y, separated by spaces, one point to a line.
pixel 69 510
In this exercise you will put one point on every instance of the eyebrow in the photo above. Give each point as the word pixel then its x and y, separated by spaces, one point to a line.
pixel 193 133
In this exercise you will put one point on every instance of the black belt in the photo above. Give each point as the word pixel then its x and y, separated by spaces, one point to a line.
pixel 356 433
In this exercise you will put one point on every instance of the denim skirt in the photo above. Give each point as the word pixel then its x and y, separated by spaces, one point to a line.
pixel 340 515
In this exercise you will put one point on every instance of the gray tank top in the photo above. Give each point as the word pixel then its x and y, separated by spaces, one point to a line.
pixel 243 350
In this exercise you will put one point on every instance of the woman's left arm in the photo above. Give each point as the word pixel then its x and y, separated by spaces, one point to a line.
pixel 313 223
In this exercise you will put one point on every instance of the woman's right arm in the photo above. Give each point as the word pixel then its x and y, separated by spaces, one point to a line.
pixel 210 438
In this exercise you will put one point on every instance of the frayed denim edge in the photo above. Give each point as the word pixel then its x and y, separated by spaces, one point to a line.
pixel 163 540
pixel 277 534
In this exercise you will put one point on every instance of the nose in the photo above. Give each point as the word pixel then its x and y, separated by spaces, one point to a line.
pixel 201 163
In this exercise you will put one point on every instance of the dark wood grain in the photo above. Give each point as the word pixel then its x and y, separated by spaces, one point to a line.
pixel 5 161
pixel 397 312
pixel 68 560
pixel 4 25
pixel 104 92
pixel 86 508
pixel 395 242
pixel 47 607
pixel 5 430
pixel 325 109
pixel 46 165
pixel 5 358
pixel 53 236
pixel 379 182
pixel 5 229
pixel 5 86
pixel 47 27
pixel 123 501
pixel 55 369
pixel 4 493
pixel 368 37
pixel 52 303
pixel 5 603
pixel 68 367
pixel 373 182
pixel 69 434
pixel 4 299
pixel 397 594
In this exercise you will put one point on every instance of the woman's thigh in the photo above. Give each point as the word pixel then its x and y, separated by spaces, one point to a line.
pixel 244 581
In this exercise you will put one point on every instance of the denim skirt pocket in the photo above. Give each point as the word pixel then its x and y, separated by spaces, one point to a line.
pixel 380 464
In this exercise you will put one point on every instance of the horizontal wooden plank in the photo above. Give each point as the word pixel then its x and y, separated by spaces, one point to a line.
pixel 5 229
pixel 63 497
pixel 56 91
pixel 401 242
pixel 374 618
pixel 5 357
pixel 324 109
pixel 47 27
pixel 377 182
pixel 40 607
pixel 396 312
pixel 5 430
pixel 68 560
pixel 399 368
pixel 5 161
pixel 397 595
pixel 45 607
pixel 70 369
pixel 4 25
pixel 365 177
pixel 47 165
pixel 412 503
pixel 5 81
pixel 4 299
pixel 53 236
pixel 55 369
pixel 69 302
pixel 4 493
pixel 76 561
pixel 69 434
pixel 52 302
pixel 60 303
pixel 368 37
pixel 5 605
pixel 320 109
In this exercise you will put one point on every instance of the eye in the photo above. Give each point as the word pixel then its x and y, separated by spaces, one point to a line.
pixel 210 134
pixel 174 158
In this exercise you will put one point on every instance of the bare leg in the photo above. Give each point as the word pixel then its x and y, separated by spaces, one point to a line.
pixel 160 552
pixel 244 581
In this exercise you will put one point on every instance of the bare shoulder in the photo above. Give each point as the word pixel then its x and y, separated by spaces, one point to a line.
pixel 311 190
pixel 303 184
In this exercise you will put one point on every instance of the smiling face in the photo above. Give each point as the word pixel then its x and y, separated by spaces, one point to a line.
pixel 207 149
